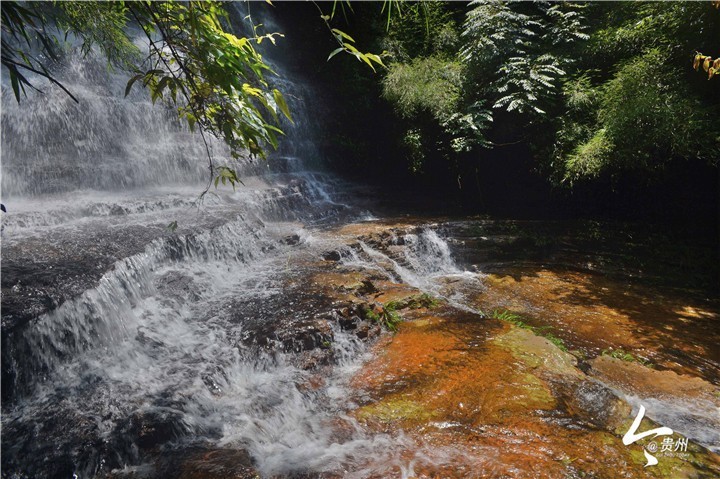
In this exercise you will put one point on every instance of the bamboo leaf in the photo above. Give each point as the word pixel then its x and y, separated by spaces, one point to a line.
pixel 375 58
pixel 280 101
pixel 15 85
pixel 343 35
pixel 351 48
pixel 335 52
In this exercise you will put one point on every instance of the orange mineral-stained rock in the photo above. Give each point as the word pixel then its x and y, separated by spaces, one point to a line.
pixel 475 397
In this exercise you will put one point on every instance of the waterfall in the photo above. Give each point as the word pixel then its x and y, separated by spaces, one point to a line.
pixel 420 258
pixel 113 324
pixel 105 142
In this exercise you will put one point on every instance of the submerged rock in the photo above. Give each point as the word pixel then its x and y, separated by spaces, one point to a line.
pixel 595 403
pixel 294 337
pixel 177 286
pixel 635 378
pixel 488 396
pixel 292 240
pixel 219 464
pixel 687 404
pixel 150 429
pixel 332 256
pixel 199 463
pixel 305 336
pixel 539 353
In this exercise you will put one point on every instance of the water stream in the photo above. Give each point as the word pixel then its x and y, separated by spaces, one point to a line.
pixel 120 336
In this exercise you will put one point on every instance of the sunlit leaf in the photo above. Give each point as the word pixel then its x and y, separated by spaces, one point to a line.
pixel 343 34
pixel 335 52
pixel 280 101
pixel 696 61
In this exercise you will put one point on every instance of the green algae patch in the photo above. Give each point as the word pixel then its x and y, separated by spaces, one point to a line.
pixel 420 323
pixel 394 409
pixel 537 352
pixel 536 394
pixel 674 467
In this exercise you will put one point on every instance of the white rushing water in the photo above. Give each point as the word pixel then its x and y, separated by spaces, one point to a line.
pixel 421 259
pixel 178 354
pixel 156 340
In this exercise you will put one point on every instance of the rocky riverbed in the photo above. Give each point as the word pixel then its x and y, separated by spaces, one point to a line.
pixel 389 348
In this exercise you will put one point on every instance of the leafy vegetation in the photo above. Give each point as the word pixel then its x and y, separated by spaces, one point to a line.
pixel 430 84
pixel 626 356
pixel 515 319
pixel 712 67
pixel 386 316
pixel 649 94
pixel 592 91
pixel 426 82
pixel 215 80
pixel 518 54
pixel 593 88
pixel 347 44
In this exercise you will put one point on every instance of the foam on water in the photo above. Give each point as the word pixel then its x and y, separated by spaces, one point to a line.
pixel 421 259
pixel 129 348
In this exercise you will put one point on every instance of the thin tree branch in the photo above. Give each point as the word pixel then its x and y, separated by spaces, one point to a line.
pixel 43 74
pixel 211 164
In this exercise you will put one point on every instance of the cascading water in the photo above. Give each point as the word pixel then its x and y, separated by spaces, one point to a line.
pixel 115 327
pixel 420 258
pixel 106 142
